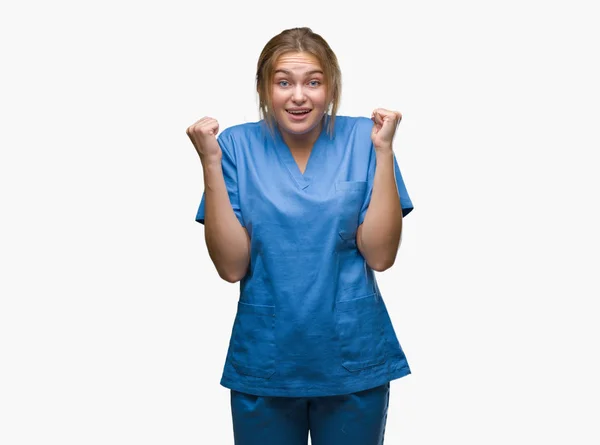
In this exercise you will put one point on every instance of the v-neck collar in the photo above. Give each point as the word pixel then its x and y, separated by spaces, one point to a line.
pixel 302 180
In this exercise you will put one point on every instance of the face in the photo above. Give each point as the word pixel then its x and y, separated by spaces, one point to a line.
pixel 299 94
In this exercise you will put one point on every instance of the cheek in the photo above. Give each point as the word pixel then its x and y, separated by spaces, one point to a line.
pixel 278 102
pixel 320 99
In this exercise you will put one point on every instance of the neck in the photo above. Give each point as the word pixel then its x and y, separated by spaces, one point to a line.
pixel 303 141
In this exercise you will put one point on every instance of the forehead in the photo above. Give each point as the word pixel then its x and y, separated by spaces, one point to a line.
pixel 297 61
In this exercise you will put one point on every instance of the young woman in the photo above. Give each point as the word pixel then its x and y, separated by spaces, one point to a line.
pixel 301 208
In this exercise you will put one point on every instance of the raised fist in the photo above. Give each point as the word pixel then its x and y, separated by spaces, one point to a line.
pixel 203 135
pixel 385 123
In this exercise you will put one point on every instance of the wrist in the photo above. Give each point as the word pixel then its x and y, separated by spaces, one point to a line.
pixel 384 148
pixel 384 153
pixel 212 160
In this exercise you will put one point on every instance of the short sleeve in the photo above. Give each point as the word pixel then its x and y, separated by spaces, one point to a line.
pixel 405 201
pixel 228 165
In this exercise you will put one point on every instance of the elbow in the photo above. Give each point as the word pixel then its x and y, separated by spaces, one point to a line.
pixel 386 259
pixel 379 262
pixel 382 266
pixel 231 276
pixel 381 255
pixel 230 270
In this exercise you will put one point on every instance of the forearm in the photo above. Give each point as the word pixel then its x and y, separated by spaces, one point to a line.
pixel 227 241
pixel 378 237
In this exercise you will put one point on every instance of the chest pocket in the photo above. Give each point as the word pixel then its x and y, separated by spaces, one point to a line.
pixel 349 199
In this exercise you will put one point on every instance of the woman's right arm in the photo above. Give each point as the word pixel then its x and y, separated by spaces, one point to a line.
pixel 227 240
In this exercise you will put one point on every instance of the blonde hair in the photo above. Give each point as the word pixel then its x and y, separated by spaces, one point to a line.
pixel 297 40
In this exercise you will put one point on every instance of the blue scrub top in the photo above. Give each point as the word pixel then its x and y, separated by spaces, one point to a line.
pixel 310 320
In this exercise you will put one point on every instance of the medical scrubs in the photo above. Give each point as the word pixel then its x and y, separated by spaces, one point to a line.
pixel 349 419
pixel 311 321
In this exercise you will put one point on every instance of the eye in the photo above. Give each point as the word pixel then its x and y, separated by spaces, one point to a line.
pixel 283 83
pixel 314 83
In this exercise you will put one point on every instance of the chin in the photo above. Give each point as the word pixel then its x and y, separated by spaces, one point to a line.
pixel 296 130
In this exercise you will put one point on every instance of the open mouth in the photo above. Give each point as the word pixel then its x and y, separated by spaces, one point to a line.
pixel 299 112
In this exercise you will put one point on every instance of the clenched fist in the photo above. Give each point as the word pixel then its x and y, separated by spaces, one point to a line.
pixel 385 123
pixel 203 135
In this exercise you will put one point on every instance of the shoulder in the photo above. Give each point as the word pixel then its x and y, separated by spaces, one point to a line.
pixel 356 130
pixel 353 125
pixel 237 138
pixel 242 131
pixel 353 139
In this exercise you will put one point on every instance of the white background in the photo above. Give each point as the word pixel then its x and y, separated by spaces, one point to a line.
pixel 113 322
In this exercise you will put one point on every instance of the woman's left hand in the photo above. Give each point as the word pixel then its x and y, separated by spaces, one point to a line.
pixel 385 123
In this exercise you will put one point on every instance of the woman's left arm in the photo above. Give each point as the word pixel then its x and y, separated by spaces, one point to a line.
pixel 378 237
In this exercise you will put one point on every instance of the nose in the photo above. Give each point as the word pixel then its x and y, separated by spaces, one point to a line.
pixel 298 94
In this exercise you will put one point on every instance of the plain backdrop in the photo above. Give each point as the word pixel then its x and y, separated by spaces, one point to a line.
pixel 113 321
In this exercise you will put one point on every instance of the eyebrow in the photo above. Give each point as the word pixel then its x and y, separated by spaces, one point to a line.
pixel 308 73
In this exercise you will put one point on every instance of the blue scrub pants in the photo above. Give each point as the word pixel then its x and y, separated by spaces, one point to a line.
pixel 351 419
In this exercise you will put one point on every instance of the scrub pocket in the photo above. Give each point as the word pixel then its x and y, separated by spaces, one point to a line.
pixel 253 340
pixel 360 330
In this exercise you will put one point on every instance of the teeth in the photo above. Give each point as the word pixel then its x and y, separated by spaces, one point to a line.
pixel 298 112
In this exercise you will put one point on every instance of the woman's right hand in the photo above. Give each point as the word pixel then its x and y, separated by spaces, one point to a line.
pixel 203 134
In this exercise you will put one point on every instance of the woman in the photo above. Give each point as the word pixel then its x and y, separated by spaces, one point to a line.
pixel 301 208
